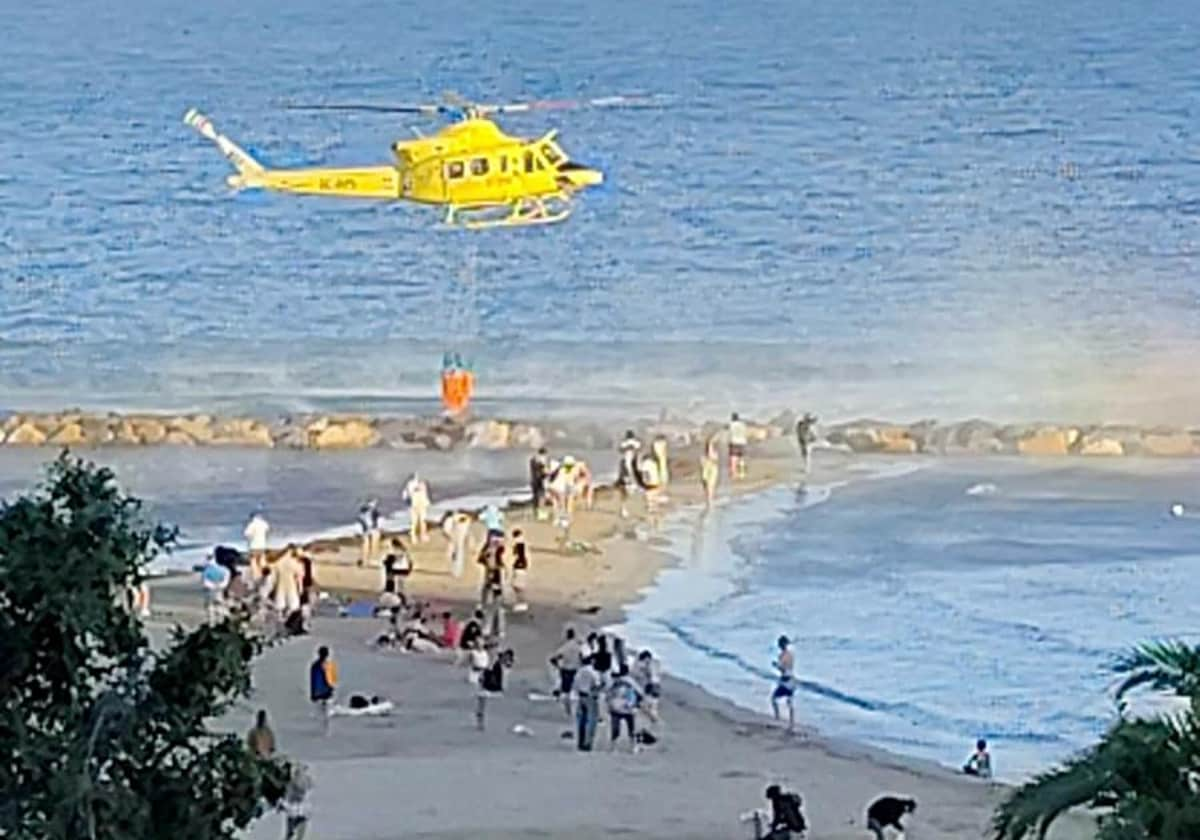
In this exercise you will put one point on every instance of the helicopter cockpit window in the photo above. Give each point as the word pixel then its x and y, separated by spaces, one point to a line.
pixel 529 161
pixel 479 166
pixel 551 154
pixel 454 169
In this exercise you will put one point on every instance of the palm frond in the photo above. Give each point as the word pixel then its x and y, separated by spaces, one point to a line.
pixel 1169 665
pixel 1031 808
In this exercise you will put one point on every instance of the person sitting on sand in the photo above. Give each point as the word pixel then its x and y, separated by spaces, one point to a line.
pixel 472 632
pixel 451 631
pixel 980 762
pixel 787 814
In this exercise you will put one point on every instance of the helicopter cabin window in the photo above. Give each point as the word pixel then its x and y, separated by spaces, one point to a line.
pixel 552 157
pixel 479 166
pixel 529 161
pixel 454 169
pixel 503 163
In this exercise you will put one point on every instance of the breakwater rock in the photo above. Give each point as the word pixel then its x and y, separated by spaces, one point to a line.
pixel 84 430
pixel 979 437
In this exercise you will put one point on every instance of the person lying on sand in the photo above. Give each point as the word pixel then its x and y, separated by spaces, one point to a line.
pixel 980 762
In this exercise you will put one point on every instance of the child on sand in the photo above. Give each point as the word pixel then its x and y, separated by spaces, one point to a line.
pixel 980 762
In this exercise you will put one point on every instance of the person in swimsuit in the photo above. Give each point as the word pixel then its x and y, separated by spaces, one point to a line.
pixel 785 685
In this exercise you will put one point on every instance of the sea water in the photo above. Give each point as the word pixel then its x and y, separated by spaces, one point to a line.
pixel 930 606
pixel 938 207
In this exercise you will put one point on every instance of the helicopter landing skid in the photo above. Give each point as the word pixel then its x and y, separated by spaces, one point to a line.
pixel 519 213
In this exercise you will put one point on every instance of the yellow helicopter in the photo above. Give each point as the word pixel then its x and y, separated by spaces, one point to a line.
pixel 482 176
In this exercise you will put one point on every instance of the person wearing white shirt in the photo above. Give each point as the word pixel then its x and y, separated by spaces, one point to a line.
pixel 416 493
pixel 738 439
pixel 256 533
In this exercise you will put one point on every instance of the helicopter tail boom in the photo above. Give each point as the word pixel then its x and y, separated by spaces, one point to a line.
pixel 356 182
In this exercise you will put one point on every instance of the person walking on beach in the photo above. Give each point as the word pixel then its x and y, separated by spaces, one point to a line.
pixel 256 533
pixel 457 528
pixel 738 440
pixel 215 578
pixel 260 740
pixel 539 469
pixel 588 688
pixel 322 684
pixel 372 533
pixel 785 684
pixel 568 659
pixel 295 803
pixel 520 572
pixel 491 684
pixel 805 436
pixel 416 493
pixel 627 469
pixel 710 470
pixel 624 697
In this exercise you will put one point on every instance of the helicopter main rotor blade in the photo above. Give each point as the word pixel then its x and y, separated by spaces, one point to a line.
pixel 366 107
pixel 638 101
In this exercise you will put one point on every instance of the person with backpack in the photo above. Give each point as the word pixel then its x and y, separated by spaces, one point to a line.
pixel 623 701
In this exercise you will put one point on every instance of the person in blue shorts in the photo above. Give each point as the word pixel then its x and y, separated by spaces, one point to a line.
pixel 785 685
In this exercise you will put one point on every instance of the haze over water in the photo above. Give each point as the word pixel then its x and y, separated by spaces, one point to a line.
pixel 930 209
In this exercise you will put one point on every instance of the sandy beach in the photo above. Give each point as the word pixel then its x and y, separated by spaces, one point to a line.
pixel 425 771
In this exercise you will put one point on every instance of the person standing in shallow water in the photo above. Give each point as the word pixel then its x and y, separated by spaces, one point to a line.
pixel 805 436
pixel 710 470
pixel 738 440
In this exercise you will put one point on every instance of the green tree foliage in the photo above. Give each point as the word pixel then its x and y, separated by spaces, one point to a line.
pixel 101 736
pixel 1142 778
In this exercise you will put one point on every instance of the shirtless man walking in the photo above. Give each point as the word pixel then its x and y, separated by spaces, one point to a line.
pixel 785 685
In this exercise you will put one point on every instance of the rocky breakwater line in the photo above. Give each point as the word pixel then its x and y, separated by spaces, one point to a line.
pixel 82 430
pixel 979 437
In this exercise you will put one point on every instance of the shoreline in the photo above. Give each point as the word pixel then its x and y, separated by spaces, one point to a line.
pixel 712 749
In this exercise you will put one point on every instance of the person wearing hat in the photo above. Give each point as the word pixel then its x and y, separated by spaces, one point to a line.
pixel 785 685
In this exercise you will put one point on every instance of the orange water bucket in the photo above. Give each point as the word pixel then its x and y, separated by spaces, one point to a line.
pixel 457 388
